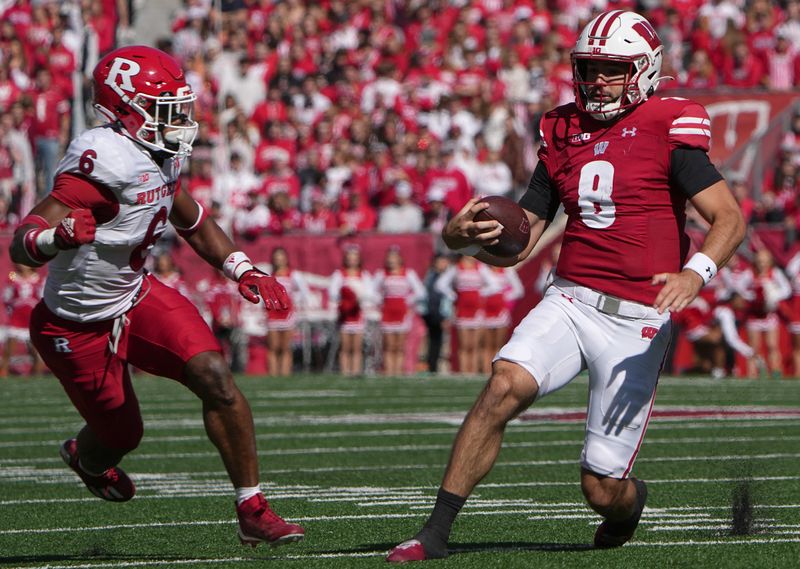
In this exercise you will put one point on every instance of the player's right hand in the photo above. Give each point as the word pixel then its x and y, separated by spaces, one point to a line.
pixel 462 231
pixel 678 291
pixel 77 229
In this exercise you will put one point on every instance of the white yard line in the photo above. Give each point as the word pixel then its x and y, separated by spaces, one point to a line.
pixel 356 555
pixel 387 433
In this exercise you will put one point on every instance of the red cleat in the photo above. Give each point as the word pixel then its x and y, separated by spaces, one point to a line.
pixel 113 485
pixel 411 550
pixel 258 523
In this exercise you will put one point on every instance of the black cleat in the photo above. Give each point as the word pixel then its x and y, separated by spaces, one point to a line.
pixel 616 534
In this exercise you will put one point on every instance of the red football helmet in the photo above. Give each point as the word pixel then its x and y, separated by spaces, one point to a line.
pixel 145 91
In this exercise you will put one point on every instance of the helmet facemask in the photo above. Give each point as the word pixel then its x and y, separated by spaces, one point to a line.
pixel 595 98
pixel 168 124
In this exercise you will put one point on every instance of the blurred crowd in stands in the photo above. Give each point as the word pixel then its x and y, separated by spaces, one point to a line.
pixel 374 115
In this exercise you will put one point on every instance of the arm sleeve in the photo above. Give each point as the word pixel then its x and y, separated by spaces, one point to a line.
pixel 541 199
pixel 77 192
pixel 691 171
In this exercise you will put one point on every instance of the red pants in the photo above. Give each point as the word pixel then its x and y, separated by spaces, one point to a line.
pixel 161 333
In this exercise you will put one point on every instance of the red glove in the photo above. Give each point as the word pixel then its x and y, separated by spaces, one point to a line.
pixel 254 284
pixel 77 229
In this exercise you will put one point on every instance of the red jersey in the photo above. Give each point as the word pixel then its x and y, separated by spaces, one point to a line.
pixel 20 296
pixel 625 220
pixel 49 106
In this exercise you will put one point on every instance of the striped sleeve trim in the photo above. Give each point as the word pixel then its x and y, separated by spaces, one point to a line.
pixel 687 130
pixel 692 121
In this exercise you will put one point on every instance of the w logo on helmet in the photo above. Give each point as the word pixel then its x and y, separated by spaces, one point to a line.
pixel 647 32
pixel 119 76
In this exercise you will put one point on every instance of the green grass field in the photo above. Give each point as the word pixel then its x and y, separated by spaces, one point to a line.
pixel 358 462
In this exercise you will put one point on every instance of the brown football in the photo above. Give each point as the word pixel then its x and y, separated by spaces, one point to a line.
pixel 516 228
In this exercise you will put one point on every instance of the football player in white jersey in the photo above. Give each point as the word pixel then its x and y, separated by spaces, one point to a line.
pixel 114 192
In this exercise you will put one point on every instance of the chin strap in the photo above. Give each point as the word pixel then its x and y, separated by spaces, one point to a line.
pixel 660 79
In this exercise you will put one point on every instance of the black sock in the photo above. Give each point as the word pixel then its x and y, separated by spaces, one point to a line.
pixel 436 532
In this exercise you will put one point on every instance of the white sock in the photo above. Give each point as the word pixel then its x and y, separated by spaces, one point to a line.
pixel 246 492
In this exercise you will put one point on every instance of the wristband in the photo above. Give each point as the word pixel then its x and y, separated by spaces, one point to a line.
pixel 469 250
pixel 46 241
pixel 36 257
pixel 703 265
pixel 236 265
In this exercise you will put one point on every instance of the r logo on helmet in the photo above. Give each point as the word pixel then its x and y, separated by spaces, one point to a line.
pixel 126 69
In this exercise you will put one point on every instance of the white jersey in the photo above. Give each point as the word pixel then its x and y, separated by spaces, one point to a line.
pixel 100 280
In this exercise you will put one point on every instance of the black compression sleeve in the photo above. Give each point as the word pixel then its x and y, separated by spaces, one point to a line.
pixel 692 171
pixel 541 199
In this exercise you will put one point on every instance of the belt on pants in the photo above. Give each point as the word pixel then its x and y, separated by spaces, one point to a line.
pixel 605 303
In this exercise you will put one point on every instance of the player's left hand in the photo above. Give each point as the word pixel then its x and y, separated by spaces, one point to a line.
pixel 678 291
pixel 255 284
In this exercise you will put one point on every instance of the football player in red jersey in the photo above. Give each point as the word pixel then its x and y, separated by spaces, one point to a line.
pixel 114 192
pixel 622 162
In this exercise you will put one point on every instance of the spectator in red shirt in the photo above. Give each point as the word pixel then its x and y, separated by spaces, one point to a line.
pixel 9 92
pixel 253 219
pixel 355 216
pixel 275 146
pixel 280 178
pixel 284 218
pixel 320 218
pixel 61 62
pixel 741 68
pixel 200 183
pixel 701 73
pixel 270 110
pixel 50 127
pixel 450 181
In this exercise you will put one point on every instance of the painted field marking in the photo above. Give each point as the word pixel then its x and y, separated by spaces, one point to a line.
pixel 356 555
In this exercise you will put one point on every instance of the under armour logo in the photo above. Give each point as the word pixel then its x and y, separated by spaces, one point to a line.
pixel 62 345
pixel 708 270
pixel 567 297
pixel 600 147
pixel 628 132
